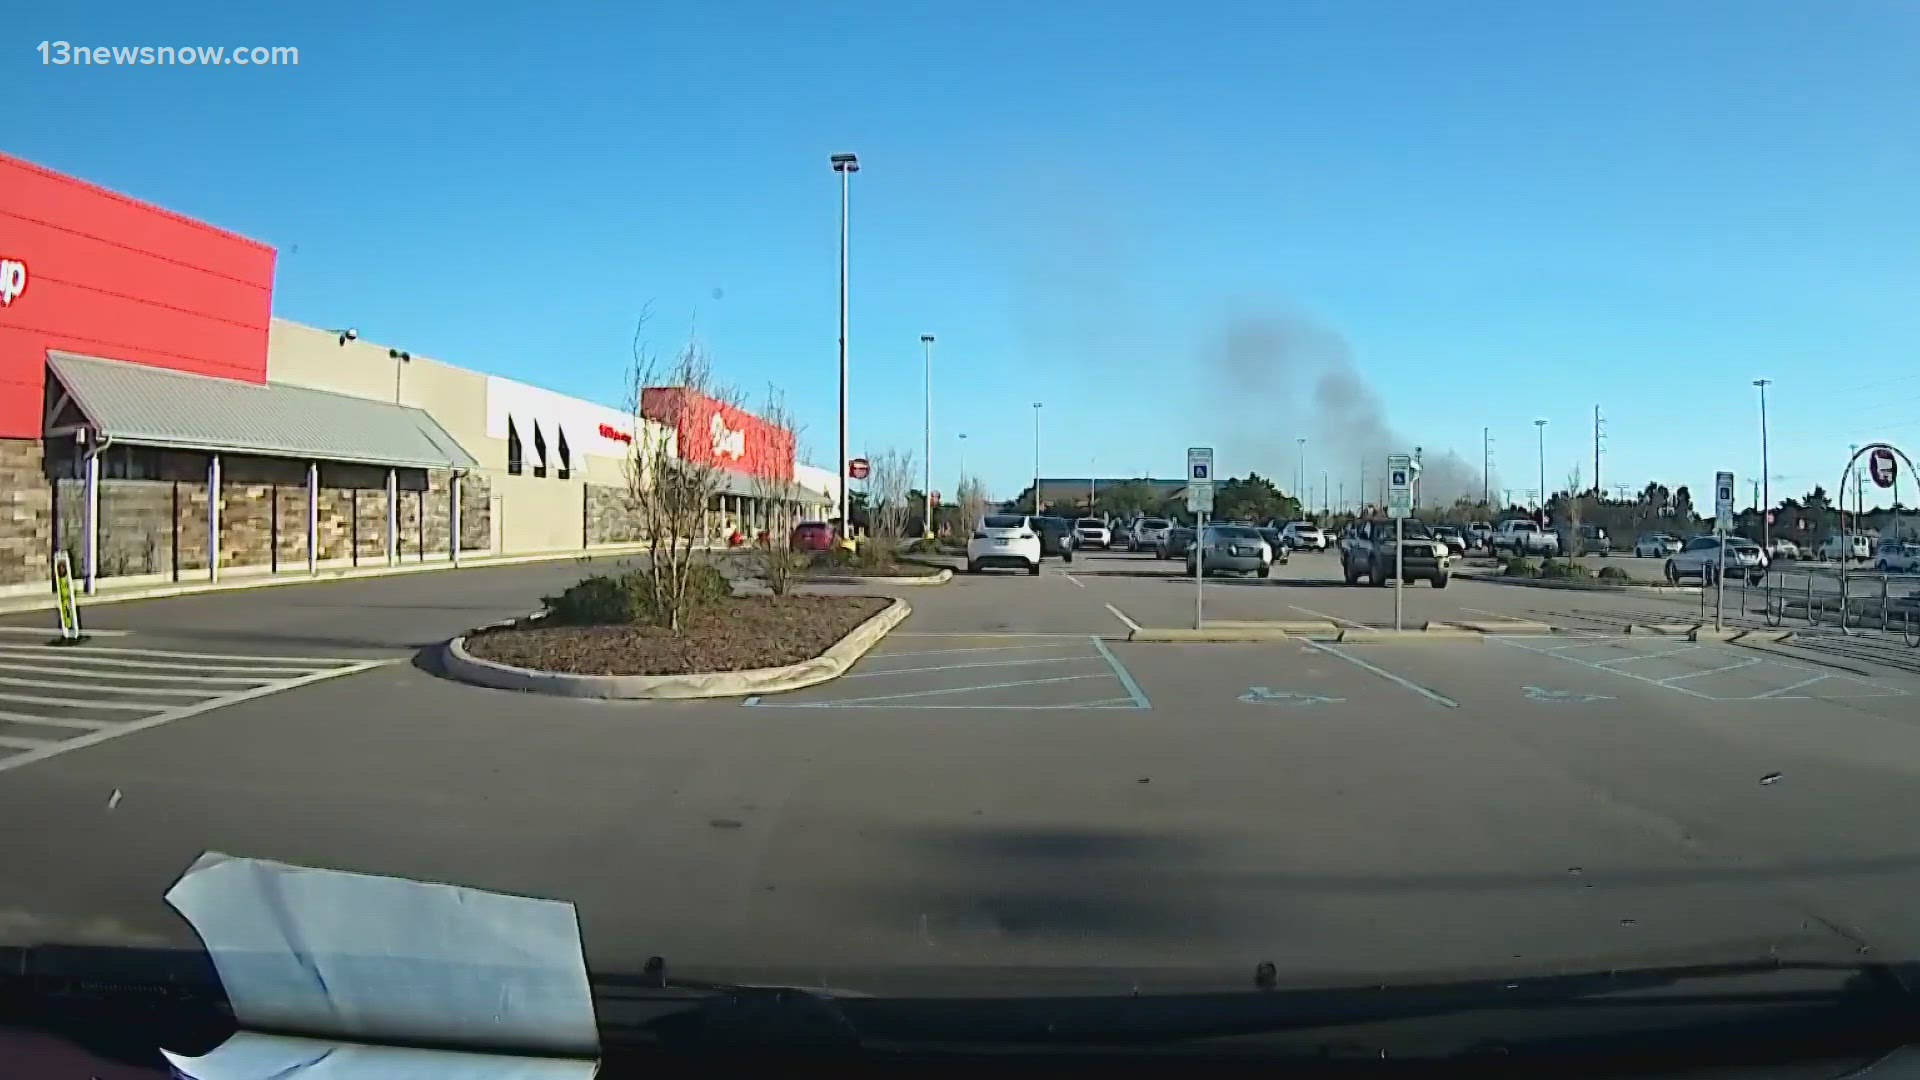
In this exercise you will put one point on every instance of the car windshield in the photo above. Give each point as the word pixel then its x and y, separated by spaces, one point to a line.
pixel 420 433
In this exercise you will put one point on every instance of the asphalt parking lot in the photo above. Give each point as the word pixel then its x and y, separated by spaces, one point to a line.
pixel 1007 792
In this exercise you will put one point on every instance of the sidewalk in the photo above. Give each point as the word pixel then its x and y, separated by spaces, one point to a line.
pixel 248 578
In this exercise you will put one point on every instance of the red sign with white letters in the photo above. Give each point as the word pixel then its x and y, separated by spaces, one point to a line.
pixel 710 432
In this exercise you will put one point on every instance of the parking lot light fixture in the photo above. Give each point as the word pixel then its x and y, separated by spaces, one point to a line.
pixel 1036 459
pixel 1766 489
pixel 846 165
pixel 1540 426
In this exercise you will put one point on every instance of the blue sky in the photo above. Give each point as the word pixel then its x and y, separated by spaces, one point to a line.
pixel 1490 212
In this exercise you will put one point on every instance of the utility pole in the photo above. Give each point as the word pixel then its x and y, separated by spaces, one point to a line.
pixel 1036 459
pixel 1486 465
pixel 1766 481
pixel 1599 429
pixel 1540 426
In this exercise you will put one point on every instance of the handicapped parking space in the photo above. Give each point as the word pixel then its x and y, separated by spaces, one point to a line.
pixel 971 671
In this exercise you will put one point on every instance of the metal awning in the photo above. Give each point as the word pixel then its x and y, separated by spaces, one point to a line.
pixel 147 406
pixel 729 482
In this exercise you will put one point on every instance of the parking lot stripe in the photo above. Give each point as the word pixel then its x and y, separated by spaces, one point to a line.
pixel 1329 618
pixel 18 743
pixel 1383 673
pixel 1122 616
pixel 1112 703
pixel 1075 580
pixel 54 631
pixel 170 715
pixel 1794 686
pixel 963 689
pixel 31 718
pixel 1646 656
pixel 271 661
pixel 956 667
pixel 78 703
pixel 1120 672
pixel 49 684
pixel 984 648
pixel 7 665
pixel 1714 671
pixel 10 653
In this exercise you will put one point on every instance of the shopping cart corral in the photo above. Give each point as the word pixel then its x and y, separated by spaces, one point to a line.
pixel 1838 600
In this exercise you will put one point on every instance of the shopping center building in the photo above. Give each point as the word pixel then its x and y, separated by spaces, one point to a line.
pixel 157 423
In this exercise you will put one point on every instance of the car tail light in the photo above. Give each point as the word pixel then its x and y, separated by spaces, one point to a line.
pixel 1026 536
pixel 981 535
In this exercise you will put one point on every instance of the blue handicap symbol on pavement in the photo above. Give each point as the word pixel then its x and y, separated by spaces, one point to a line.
pixel 1262 695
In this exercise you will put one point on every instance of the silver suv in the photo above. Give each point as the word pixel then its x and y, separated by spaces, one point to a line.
pixel 1148 533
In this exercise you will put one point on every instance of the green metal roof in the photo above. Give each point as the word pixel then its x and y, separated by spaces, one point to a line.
pixel 149 406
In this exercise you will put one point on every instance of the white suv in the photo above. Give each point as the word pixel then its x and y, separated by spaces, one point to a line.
pixel 1304 536
pixel 1896 556
pixel 1004 540
pixel 1091 533
pixel 1148 533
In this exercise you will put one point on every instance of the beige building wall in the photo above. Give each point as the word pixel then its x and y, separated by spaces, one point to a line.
pixel 529 513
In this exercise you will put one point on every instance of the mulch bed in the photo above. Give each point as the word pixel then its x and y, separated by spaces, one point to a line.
pixel 736 635
pixel 899 569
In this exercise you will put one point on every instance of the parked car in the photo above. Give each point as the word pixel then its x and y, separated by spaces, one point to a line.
pixel 1896 556
pixel 1304 536
pixel 1700 558
pixel 1451 536
pixel 1175 544
pixel 1479 535
pixel 811 536
pixel 1004 540
pixel 1091 533
pixel 1782 548
pixel 1524 536
pixel 1843 546
pixel 1236 548
pixel 1146 534
pixel 1369 552
pixel 1592 540
pixel 1656 545
pixel 1056 537
pixel 1276 543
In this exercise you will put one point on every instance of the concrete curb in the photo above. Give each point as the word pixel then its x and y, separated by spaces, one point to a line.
pixel 1579 586
pixel 464 666
pixel 941 578
pixel 242 580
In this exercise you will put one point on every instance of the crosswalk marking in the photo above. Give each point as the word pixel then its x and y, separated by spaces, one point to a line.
pixel 82 695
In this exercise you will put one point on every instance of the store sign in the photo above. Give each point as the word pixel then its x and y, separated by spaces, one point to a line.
pixel 727 442
pixel 608 431
pixel 13 280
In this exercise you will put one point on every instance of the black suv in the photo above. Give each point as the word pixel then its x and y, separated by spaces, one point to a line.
pixel 1056 537
pixel 1367 551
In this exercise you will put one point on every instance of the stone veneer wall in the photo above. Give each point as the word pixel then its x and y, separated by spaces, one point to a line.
pixel 160 526
pixel 26 513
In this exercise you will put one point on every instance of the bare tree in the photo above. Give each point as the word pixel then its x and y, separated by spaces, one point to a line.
pixel 1576 511
pixel 668 493
pixel 772 557
pixel 890 483
pixel 971 497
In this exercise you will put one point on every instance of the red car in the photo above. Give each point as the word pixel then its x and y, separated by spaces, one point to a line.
pixel 812 536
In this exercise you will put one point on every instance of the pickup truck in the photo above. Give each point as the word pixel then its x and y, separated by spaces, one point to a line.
pixel 1367 551
pixel 1523 537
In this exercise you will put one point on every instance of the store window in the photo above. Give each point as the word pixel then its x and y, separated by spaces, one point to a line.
pixel 566 455
pixel 514 461
pixel 539 451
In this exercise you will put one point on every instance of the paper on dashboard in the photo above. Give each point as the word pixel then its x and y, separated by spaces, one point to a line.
pixel 350 960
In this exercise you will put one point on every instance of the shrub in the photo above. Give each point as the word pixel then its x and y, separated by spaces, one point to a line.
pixel 601 600
pixel 1614 573
pixel 1518 566
pixel 1559 568
pixel 593 601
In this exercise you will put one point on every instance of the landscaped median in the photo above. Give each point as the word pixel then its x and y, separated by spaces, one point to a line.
pixel 748 645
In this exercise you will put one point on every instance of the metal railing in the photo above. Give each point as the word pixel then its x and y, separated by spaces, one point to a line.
pixel 1843 600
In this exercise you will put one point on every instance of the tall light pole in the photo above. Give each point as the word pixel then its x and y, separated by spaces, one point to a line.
pixel 1766 489
pixel 1036 459
pixel 926 493
pixel 846 165
pixel 1486 465
pixel 963 464
pixel 1541 427
pixel 1300 473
